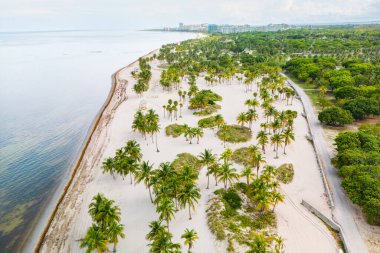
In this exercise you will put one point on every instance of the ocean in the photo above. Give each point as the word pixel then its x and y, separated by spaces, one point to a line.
pixel 52 85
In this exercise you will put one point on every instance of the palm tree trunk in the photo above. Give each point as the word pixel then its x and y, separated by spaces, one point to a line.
pixel 130 176
pixel 114 247
pixel 276 151
pixel 284 149
pixel 150 195
pixel 208 181
pixel 189 213
pixel 157 144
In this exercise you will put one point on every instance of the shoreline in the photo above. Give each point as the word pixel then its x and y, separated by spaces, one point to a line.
pixel 95 125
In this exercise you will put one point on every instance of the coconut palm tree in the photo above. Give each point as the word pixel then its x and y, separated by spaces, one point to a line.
pixel 224 134
pixel 166 209
pixel 94 240
pixel 227 174
pixel 241 118
pixel 189 196
pixel 252 103
pixel 207 159
pixel 103 211
pixel 219 120
pixel 251 116
pixel 247 173
pixel 258 160
pixel 262 139
pixel 226 155
pixel 108 166
pixel 276 198
pixel 279 244
pixel 145 174
pixel 187 174
pixel 114 231
pixel 198 133
pixel 288 136
pixel 276 141
pixel 214 170
pixel 190 236
pixel 155 228
pixel 162 243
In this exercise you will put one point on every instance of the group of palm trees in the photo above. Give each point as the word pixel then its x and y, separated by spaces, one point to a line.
pixel 161 239
pixel 171 109
pixel 126 160
pixel 143 76
pixel 106 227
pixel 147 124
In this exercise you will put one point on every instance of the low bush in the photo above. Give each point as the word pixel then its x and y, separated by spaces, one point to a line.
pixel 175 130
pixel 335 116
pixel 208 110
pixel 186 159
pixel 240 156
pixel 234 133
pixel 285 173
pixel 232 198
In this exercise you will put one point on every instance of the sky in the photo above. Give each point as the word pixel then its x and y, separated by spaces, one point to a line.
pixel 35 15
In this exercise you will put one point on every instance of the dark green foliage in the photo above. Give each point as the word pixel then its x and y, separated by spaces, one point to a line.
pixel 241 156
pixel 232 198
pixel 358 162
pixel 362 107
pixel 335 116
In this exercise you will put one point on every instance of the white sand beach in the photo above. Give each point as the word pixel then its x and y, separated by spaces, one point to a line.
pixel 303 232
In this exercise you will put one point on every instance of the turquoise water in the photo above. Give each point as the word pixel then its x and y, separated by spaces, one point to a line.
pixel 52 84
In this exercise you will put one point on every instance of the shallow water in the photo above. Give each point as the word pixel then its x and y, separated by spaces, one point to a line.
pixel 52 84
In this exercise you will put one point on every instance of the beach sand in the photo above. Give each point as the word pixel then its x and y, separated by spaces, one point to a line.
pixel 303 232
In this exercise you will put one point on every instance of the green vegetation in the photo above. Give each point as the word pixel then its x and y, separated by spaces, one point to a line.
pixel 205 102
pixel 143 76
pixel 183 159
pixel 234 133
pixel 335 116
pixel 211 122
pixel 147 124
pixel 175 130
pixel 358 163
pixel 285 173
pixel 106 227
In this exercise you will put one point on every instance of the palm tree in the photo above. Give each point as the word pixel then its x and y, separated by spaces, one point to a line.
pixel 145 173
pixel 115 231
pixel 187 174
pixel 224 134
pixel 198 133
pixel 94 240
pixel 207 159
pixel 247 173
pixel 288 136
pixel 103 211
pixel 252 103
pixel 219 121
pixel 241 118
pixel 155 228
pixel 276 141
pixel 189 195
pixel 108 166
pixel 166 209
pixel 190 236
pixel 279 244
pixel 227 174
pixel 214 170
pixel 155 128
pixel 258 159
pixel 276 198
pixel 226 155
pixel 162 243
pixel 262 138
pixel 251 116
pixel 263 200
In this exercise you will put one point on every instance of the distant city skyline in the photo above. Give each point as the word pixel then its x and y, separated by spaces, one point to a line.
pixel 29 15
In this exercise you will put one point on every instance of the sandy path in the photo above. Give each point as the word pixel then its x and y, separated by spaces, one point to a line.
pixel 303 232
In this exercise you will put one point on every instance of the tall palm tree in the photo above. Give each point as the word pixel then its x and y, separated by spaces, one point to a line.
pixel 190 236
pixel 224 134
pixel 189 196
pixel 104 212
pixel 226 155
pixel 214 170
pixel 219 120
pixel 198 133
pixel 166 209
pixel 94 240
pixel 188 174
pixel 258 160
pixel 108 166
pixel 251 116
pixel 162 243
pixel 114 231
pixel 276 141
pixel 155 228
pixel 262 139
pixel 241 118
pixel 288 136
pixel 247 173
pixel 227 174
pixel 207 159
pixel 145 174
pixel 276 198
pixel 279 244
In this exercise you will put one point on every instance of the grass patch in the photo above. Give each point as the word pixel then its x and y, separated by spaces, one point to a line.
pixel 285 173
pixel 234 133
pixel 240 156
pixel 175 130
pixel 232 218
pixel 186 159
pixel 208 110
pixel 211 122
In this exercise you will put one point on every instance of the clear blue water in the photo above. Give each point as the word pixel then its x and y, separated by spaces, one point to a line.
pixel 52 84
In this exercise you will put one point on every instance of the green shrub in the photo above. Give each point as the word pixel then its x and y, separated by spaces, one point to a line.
pixel 211 122
pixel 175 130
pixel 232 198
pixel 335 116
pixel 186 159
pixel 207 110
pixel 240 156
pixel 234 133
pixel 285 173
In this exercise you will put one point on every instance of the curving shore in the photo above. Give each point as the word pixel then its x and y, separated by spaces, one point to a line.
pixel 81 170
